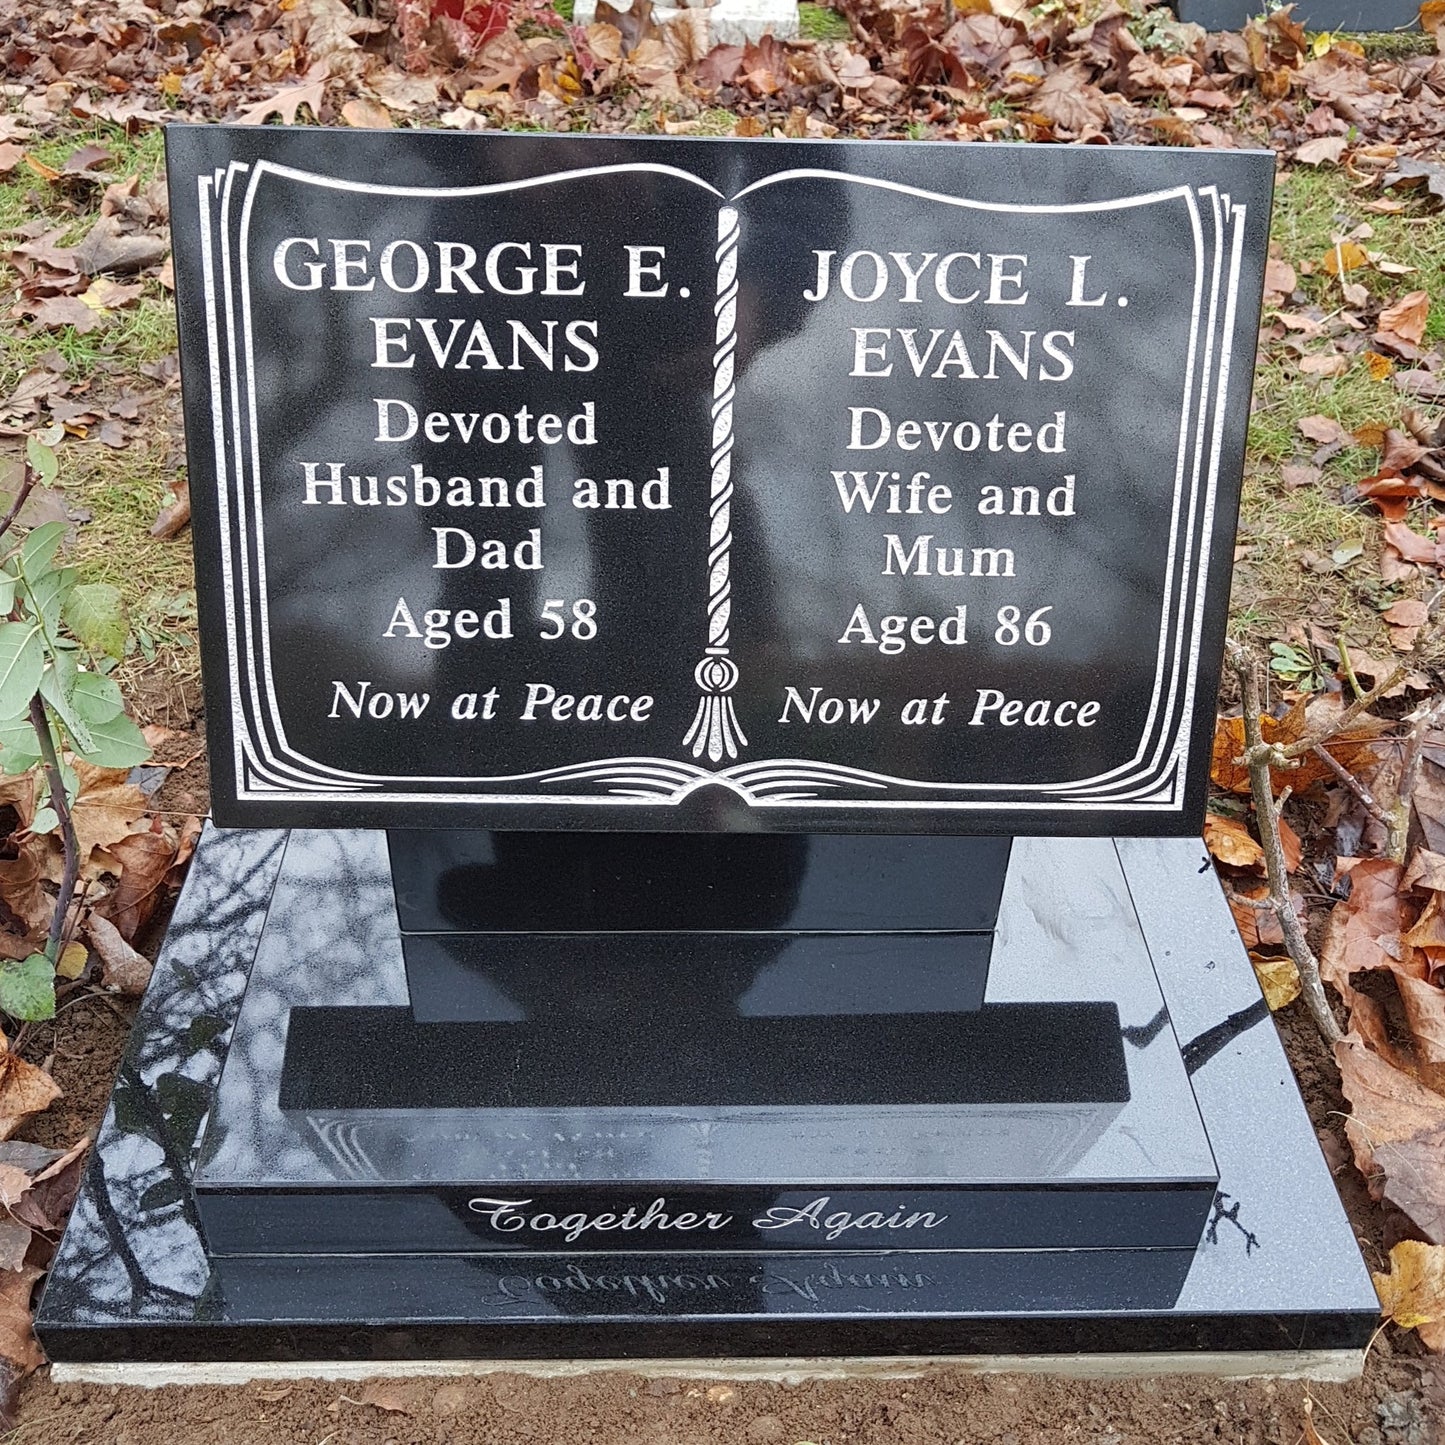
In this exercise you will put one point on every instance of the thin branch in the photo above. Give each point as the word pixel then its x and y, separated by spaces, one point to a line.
pixel 41 723
pixel 1365 796
pixel 1257 755
pixel 1348 668
pixel 1339 724
pixel 26 487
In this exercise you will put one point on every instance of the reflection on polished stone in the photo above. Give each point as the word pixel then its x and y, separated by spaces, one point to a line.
pixel 1276 1264
pixel 494 882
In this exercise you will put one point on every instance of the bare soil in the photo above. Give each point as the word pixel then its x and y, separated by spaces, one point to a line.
pixel 1399 1401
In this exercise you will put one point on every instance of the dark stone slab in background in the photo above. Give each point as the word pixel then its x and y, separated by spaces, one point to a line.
pixel 1313 14
pixel 1276 1266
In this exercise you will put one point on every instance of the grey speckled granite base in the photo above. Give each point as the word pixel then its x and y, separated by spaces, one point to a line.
pixel 266 924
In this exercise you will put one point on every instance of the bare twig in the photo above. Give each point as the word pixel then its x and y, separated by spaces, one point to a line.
pixel 1258 758
pixel 1348 668
pixel 1421 721
pixel 1366 797
pixel 1337 725
pixel 26 487
pixel 56 781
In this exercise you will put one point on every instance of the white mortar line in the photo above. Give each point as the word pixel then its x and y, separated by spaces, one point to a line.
pixel 1338 1366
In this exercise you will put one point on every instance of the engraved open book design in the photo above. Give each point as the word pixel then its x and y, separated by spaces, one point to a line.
pixel 768 365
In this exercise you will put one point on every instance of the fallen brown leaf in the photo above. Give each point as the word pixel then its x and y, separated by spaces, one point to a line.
pixel 107 247
pixel 1231 842
pixel 21 880
pixel 1325 430
pixel 123 970
pixel 1365 931
pixel 366 115
pixel 1426 870
pixel 176 514
pixel 285 103
pixel 20 1353
pixel 145 860
pixel 106 807
pixel 1408 317
pixel 1410 545
pixel 1327 150
pixel 56 312
pixel 1397 1131
pixel 1413 1293
pixel 1280 281
pixel 1278 979
pixel 25 1090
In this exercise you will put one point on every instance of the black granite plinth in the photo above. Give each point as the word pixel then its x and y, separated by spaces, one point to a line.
pixel 473 880
pixel 272 922
pixel 1313 14
pixel 565 988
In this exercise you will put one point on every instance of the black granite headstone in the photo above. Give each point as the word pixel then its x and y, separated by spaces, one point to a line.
pixel 702 558
pixel 602 483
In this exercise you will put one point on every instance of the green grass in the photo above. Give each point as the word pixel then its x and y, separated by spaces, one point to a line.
pixel 818 22
pixel 1291 533
pixel 139 333
pixel 121 488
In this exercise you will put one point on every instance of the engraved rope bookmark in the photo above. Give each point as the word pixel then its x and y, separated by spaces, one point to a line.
pixel 715 730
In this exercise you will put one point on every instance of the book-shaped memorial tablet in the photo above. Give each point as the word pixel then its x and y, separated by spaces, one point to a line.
pixel 696 487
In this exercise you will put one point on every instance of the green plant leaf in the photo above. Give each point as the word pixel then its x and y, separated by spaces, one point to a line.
pixel 95 613
pixel 116 743
pixel 46 820
pixel 52 689
pixel 97 699
pixel 46 596
pixel 22 658
pixel 42 460
pixel 7 590
pixel 27 988
pixel 39 547
pixel 19 747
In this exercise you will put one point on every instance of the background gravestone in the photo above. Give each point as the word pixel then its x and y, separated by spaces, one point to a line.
pixel 1313 14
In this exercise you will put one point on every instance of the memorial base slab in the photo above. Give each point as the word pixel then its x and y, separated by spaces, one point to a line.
pixel 295 1168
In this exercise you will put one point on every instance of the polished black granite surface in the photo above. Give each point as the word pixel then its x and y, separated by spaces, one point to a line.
pixel 941 550
pixel 577 981
pixel 743 1072
pixel 1275 1265
pixel 492 882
